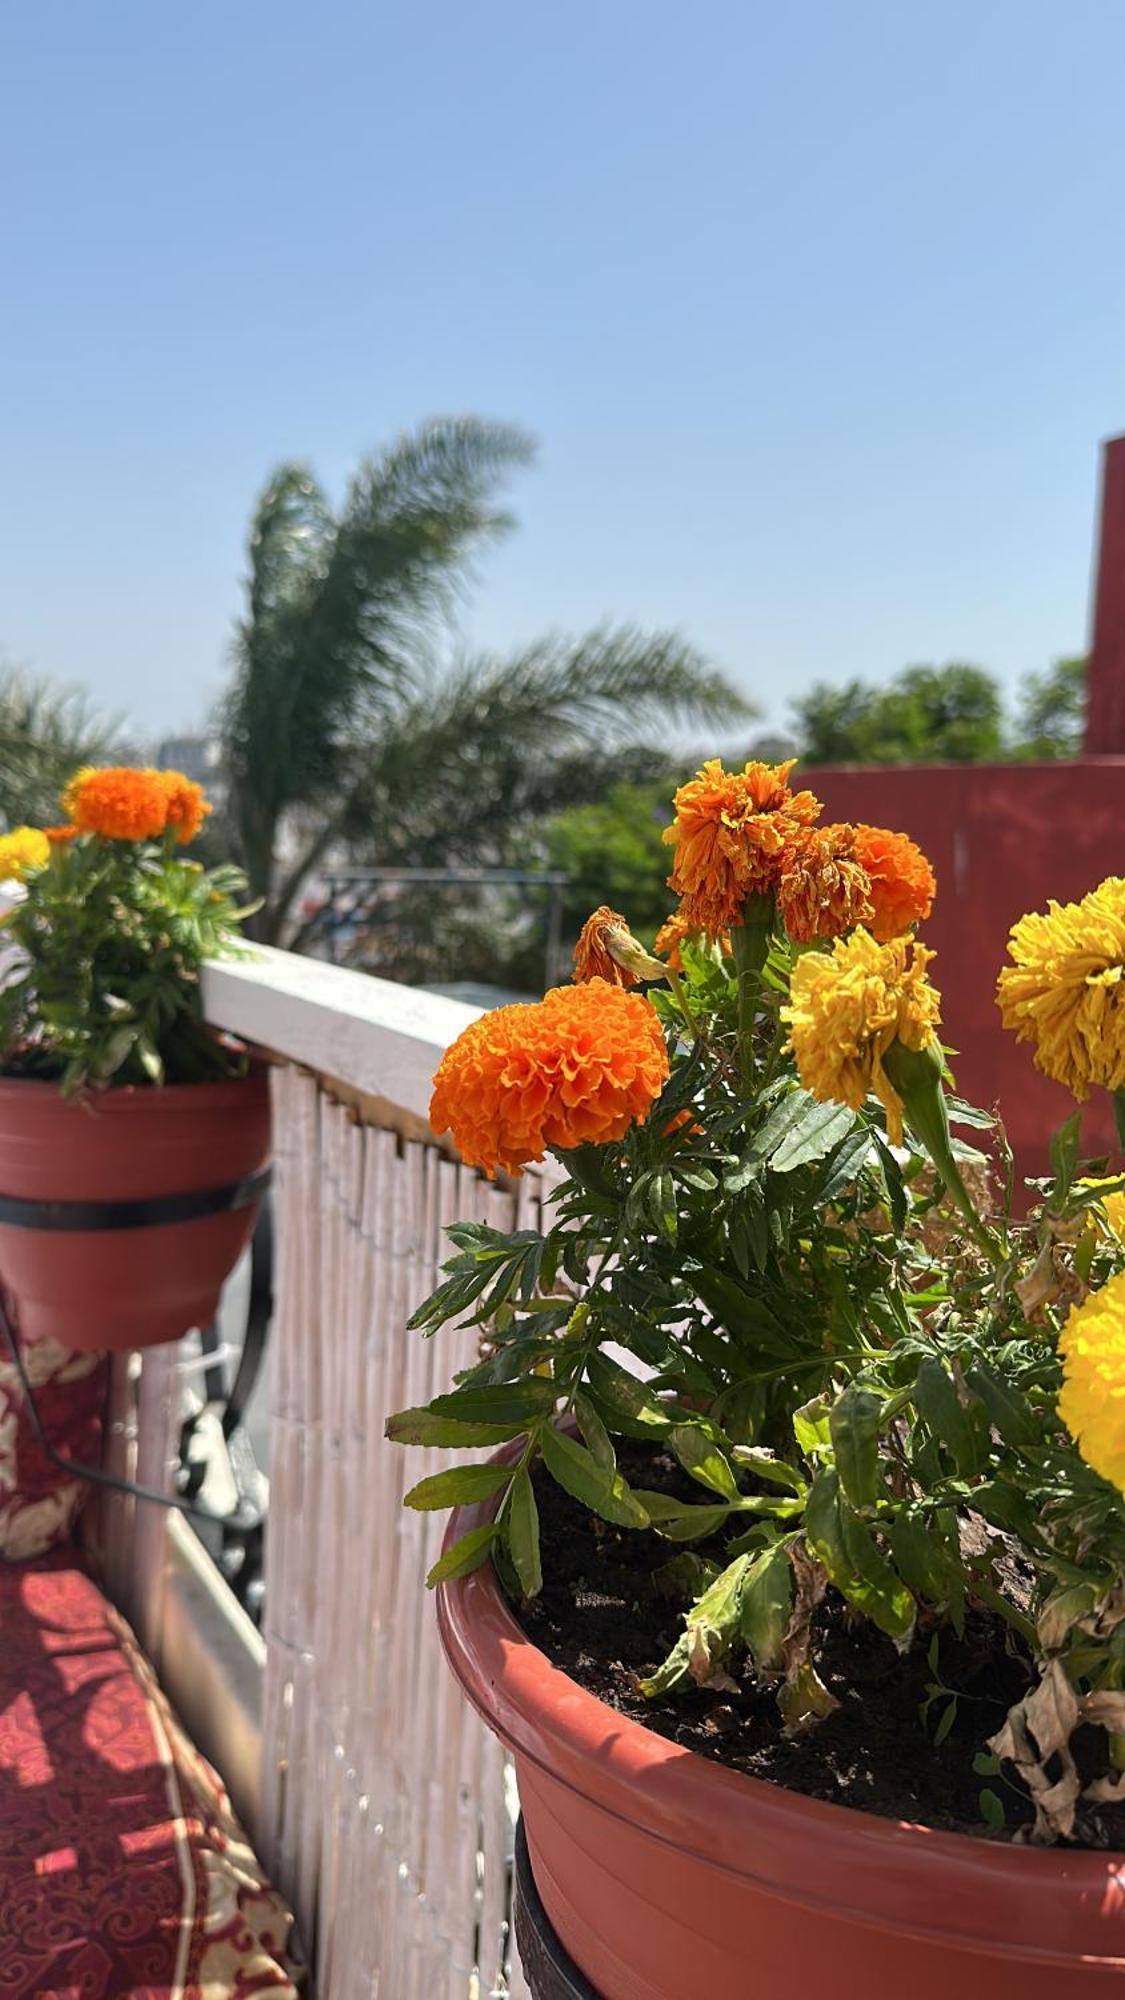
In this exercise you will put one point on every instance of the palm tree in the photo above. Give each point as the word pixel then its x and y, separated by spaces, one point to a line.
pixel 45 732
pixel 341 729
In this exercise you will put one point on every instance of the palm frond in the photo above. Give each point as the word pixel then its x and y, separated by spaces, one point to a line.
pixel 46 731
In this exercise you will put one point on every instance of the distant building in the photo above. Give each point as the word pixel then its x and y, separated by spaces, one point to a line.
pixel 198 757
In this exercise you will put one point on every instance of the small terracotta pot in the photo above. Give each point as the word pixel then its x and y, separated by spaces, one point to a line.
pixel 669 1877
pixel 113 1288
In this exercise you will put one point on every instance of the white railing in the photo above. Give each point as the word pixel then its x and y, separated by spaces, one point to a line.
pixel 385 1809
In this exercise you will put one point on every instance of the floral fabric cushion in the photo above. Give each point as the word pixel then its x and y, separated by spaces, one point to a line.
pixel 123 1872
pixel 38 1502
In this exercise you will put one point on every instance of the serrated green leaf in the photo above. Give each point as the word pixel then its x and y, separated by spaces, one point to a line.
pixel 1008 1411
pixel 499 1403
pixel 521 1534
pixel 939 1404
pixel 815 1130
pixel 598 1440
pixel 704 1459
pixel 464 1556
pixel 860 1573
pixel 578 1472
pixel 628 1405
pixel 853 1425
pixel 458 1486
pixel 678 1520
pixel 767 1606
pixel 423 1427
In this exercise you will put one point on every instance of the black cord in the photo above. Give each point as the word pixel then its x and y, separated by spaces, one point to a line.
pixel 93 1473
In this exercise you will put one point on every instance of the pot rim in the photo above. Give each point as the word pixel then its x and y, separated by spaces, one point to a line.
pixel 1031 1903
pixel 123 1097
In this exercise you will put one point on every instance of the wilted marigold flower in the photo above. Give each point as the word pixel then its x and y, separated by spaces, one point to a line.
pixel 117 801
pixel 903 884
pixel 607 949
pixel 25 847
pixel 847 1006
pixel 823 889
pixel 1065 991
pixel 730 831
pixel 575 1068
pixel 1092 1400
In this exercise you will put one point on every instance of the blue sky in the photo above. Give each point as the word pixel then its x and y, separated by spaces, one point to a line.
pixel 816 311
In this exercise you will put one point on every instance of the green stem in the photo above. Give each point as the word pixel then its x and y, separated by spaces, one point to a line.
pixel 679 995
pixel 916 1075
pixel 750 943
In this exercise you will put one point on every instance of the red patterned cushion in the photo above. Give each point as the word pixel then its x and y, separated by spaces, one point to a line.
pixel 38 1503
pixel 123 1873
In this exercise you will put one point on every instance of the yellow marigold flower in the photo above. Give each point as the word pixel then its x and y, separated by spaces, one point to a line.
pixel 823 889
pixel 848 1006
pixel 1112 1206
pixel 607 949
pixel 1065 991
pixel 730 831
pixel 25 847
pixel 577 1067
pixel 1092 1401
pixel 188 805
pixel 903 884
pixel 118 802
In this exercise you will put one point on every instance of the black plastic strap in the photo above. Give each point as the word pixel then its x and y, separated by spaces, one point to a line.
pixel 150 1213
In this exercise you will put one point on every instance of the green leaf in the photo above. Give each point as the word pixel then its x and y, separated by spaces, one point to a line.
pixel 992 1808
pixel 853 1424
pixel 942 1409
pixel 811 1427
pixel 767 1606
pixel 765 1465
pixel 860 1573
pixel 521 1533
pixel 466 1555
pixel 629 1406
pixel 501 1403
pixel 595 1433
pixel 703 1458
pixel 920 1554
pixel 678 1520
pixel 845 1166
pixel 1065 1144
pixel 1008 1411
pixel 578 1472
pixel 672 1674
pixel 459 1486
pixel 814 1130
pixel 746 1317
pixel 662 1204
pixel 423 1427
pixel 946 1721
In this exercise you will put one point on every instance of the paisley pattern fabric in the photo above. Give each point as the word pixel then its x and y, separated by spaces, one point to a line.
pixel 123 1872
pixel 38 1502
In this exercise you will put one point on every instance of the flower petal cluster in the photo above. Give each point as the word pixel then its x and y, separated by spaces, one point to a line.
pixel 1092 1400
pixel 730 832
pixel 578 1067
pixel 592 956
pixel 823 889
pixel 25 847
pixel 902 882
pixel 1065 990
pixel 123 802
pixel 846 1008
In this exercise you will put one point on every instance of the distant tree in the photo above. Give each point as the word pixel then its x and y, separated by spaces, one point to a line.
pixel 46 731
pixel 342 732
pixel 1052 714
pixel 926 715
pixel 613 852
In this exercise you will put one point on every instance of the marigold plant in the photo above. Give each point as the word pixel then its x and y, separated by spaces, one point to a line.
pixel 103 953
pixel 885 1392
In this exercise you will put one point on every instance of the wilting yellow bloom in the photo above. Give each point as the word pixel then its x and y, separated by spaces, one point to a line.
pixel 846 1009
pixel 25 847
pixel 1065 991
pixel 1092 1402
pixel 607 949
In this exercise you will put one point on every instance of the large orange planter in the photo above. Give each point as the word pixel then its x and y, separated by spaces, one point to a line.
pixel 668 1877
pixel 104 1160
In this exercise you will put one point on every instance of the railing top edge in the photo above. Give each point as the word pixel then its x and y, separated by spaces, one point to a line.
pixel 382 1039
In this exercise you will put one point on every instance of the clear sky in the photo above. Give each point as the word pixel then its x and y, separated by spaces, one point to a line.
pixel 817 312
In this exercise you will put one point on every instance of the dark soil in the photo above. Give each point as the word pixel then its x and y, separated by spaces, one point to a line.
pixel 605 1620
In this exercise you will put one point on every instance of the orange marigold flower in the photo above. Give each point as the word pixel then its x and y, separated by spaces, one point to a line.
pixel 903 885
pixel 730 831
pixel 823 890
pixel 187 805
pixel 60 836
pixel 575 1068
pixel 118 802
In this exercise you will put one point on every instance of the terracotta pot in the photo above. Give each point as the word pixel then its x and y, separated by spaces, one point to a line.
pixel 668 1877
pixel 132 1281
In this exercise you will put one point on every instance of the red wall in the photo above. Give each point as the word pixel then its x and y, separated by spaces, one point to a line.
pixel 1002 839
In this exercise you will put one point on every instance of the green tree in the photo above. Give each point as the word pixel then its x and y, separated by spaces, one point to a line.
pixel 926 715
pixel 343 731
pixel 613 852
pixel 45 732
pixel 1052 714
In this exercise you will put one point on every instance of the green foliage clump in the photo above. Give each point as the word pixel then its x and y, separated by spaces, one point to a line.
pixel 101 962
